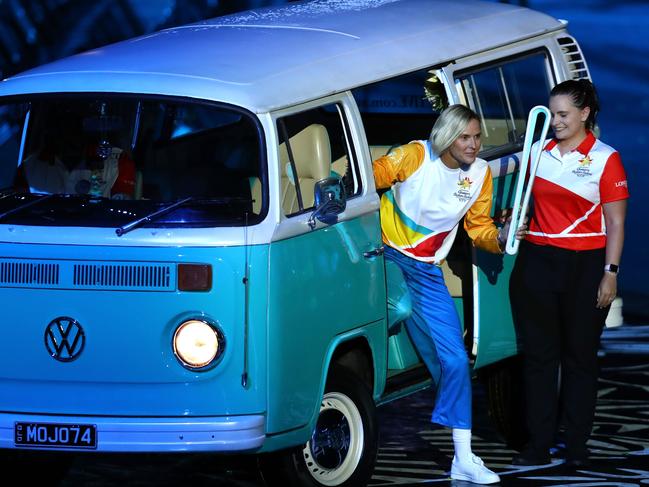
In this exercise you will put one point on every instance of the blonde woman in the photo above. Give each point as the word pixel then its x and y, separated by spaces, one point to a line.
pixel 431 186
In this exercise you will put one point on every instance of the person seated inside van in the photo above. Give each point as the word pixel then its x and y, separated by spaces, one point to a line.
pixel 71 160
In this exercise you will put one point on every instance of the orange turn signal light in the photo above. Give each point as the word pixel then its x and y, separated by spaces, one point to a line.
pixel 194 277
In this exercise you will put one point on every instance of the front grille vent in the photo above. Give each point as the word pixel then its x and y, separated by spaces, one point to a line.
pixel 122 276
pixel 28 273
pixel 574 58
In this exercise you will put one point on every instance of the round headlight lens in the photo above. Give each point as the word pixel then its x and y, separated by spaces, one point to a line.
pixel 196 343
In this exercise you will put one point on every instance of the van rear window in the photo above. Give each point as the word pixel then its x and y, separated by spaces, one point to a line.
pixel 89 160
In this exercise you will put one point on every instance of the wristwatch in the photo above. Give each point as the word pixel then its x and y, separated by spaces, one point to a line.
pixel 612 268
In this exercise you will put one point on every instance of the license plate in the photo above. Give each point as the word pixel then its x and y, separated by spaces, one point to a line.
pixel 56 435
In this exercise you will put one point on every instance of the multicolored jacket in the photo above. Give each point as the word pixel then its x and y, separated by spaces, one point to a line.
pixel 421 211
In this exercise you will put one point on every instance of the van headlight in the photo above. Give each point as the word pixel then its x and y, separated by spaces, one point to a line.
pixel 197 344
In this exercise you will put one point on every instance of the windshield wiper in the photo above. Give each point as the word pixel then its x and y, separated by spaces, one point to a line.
pixel 25 205
pixel 151 216
pixel 166 209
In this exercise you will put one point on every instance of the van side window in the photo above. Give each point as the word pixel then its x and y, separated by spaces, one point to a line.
pixel 318 147
pixel 502 94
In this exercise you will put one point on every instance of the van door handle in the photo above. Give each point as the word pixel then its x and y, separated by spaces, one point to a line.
pixel 373 253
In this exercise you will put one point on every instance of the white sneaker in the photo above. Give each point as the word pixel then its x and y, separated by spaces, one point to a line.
pixel 473 470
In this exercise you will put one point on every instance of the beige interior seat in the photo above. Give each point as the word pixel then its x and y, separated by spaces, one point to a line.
pixel 340 165
pixel 255 192
pixel 312 155
pixel 377 151
pixel 496 132
pixel 452 280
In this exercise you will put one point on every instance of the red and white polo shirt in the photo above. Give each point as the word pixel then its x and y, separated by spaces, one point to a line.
pixel 569 191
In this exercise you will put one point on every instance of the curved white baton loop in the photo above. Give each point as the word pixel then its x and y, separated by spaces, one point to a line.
pixel 520 210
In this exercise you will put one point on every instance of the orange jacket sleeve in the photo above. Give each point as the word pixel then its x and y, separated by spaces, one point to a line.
pixel 397 165
pixel 478 222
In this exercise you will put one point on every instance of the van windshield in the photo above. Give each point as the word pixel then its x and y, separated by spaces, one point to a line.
pixel 106 161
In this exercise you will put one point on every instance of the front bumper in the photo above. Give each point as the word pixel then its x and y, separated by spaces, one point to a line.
pixel 204 434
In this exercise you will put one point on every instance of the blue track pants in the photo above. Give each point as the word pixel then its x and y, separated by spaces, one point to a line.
pixel 436 332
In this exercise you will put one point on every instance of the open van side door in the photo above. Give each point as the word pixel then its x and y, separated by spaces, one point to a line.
pixel 501 86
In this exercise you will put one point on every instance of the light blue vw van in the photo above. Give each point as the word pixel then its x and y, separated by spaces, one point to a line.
pixel 190 248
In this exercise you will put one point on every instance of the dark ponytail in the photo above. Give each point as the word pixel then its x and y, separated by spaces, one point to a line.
pixel 583 94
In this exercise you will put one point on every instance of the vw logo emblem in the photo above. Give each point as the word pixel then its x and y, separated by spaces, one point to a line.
pixel 64 339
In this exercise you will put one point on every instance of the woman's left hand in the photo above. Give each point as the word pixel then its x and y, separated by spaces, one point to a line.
pixel 607 290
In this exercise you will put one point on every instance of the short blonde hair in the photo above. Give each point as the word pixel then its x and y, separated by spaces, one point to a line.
pixel 449 126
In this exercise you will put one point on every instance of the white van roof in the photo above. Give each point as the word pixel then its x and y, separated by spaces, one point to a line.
pixel 274 57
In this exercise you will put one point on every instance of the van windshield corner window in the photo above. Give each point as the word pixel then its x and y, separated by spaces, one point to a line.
pixel 107 160
pixel 502 94
pixel 313 145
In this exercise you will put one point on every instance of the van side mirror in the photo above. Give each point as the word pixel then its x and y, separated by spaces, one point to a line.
pixel 330 201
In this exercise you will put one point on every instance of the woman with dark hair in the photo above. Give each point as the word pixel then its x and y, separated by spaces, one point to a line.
pixel 433 185
pixel 565 276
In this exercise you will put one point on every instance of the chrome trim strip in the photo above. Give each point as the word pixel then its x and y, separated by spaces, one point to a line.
pixel 204 434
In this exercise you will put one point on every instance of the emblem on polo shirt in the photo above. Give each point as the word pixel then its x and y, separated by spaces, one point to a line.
pixel 583 169
pixel 586 161
pixel 464 189
pixel 465 183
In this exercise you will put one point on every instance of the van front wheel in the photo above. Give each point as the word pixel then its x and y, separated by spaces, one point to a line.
pixel 342 448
